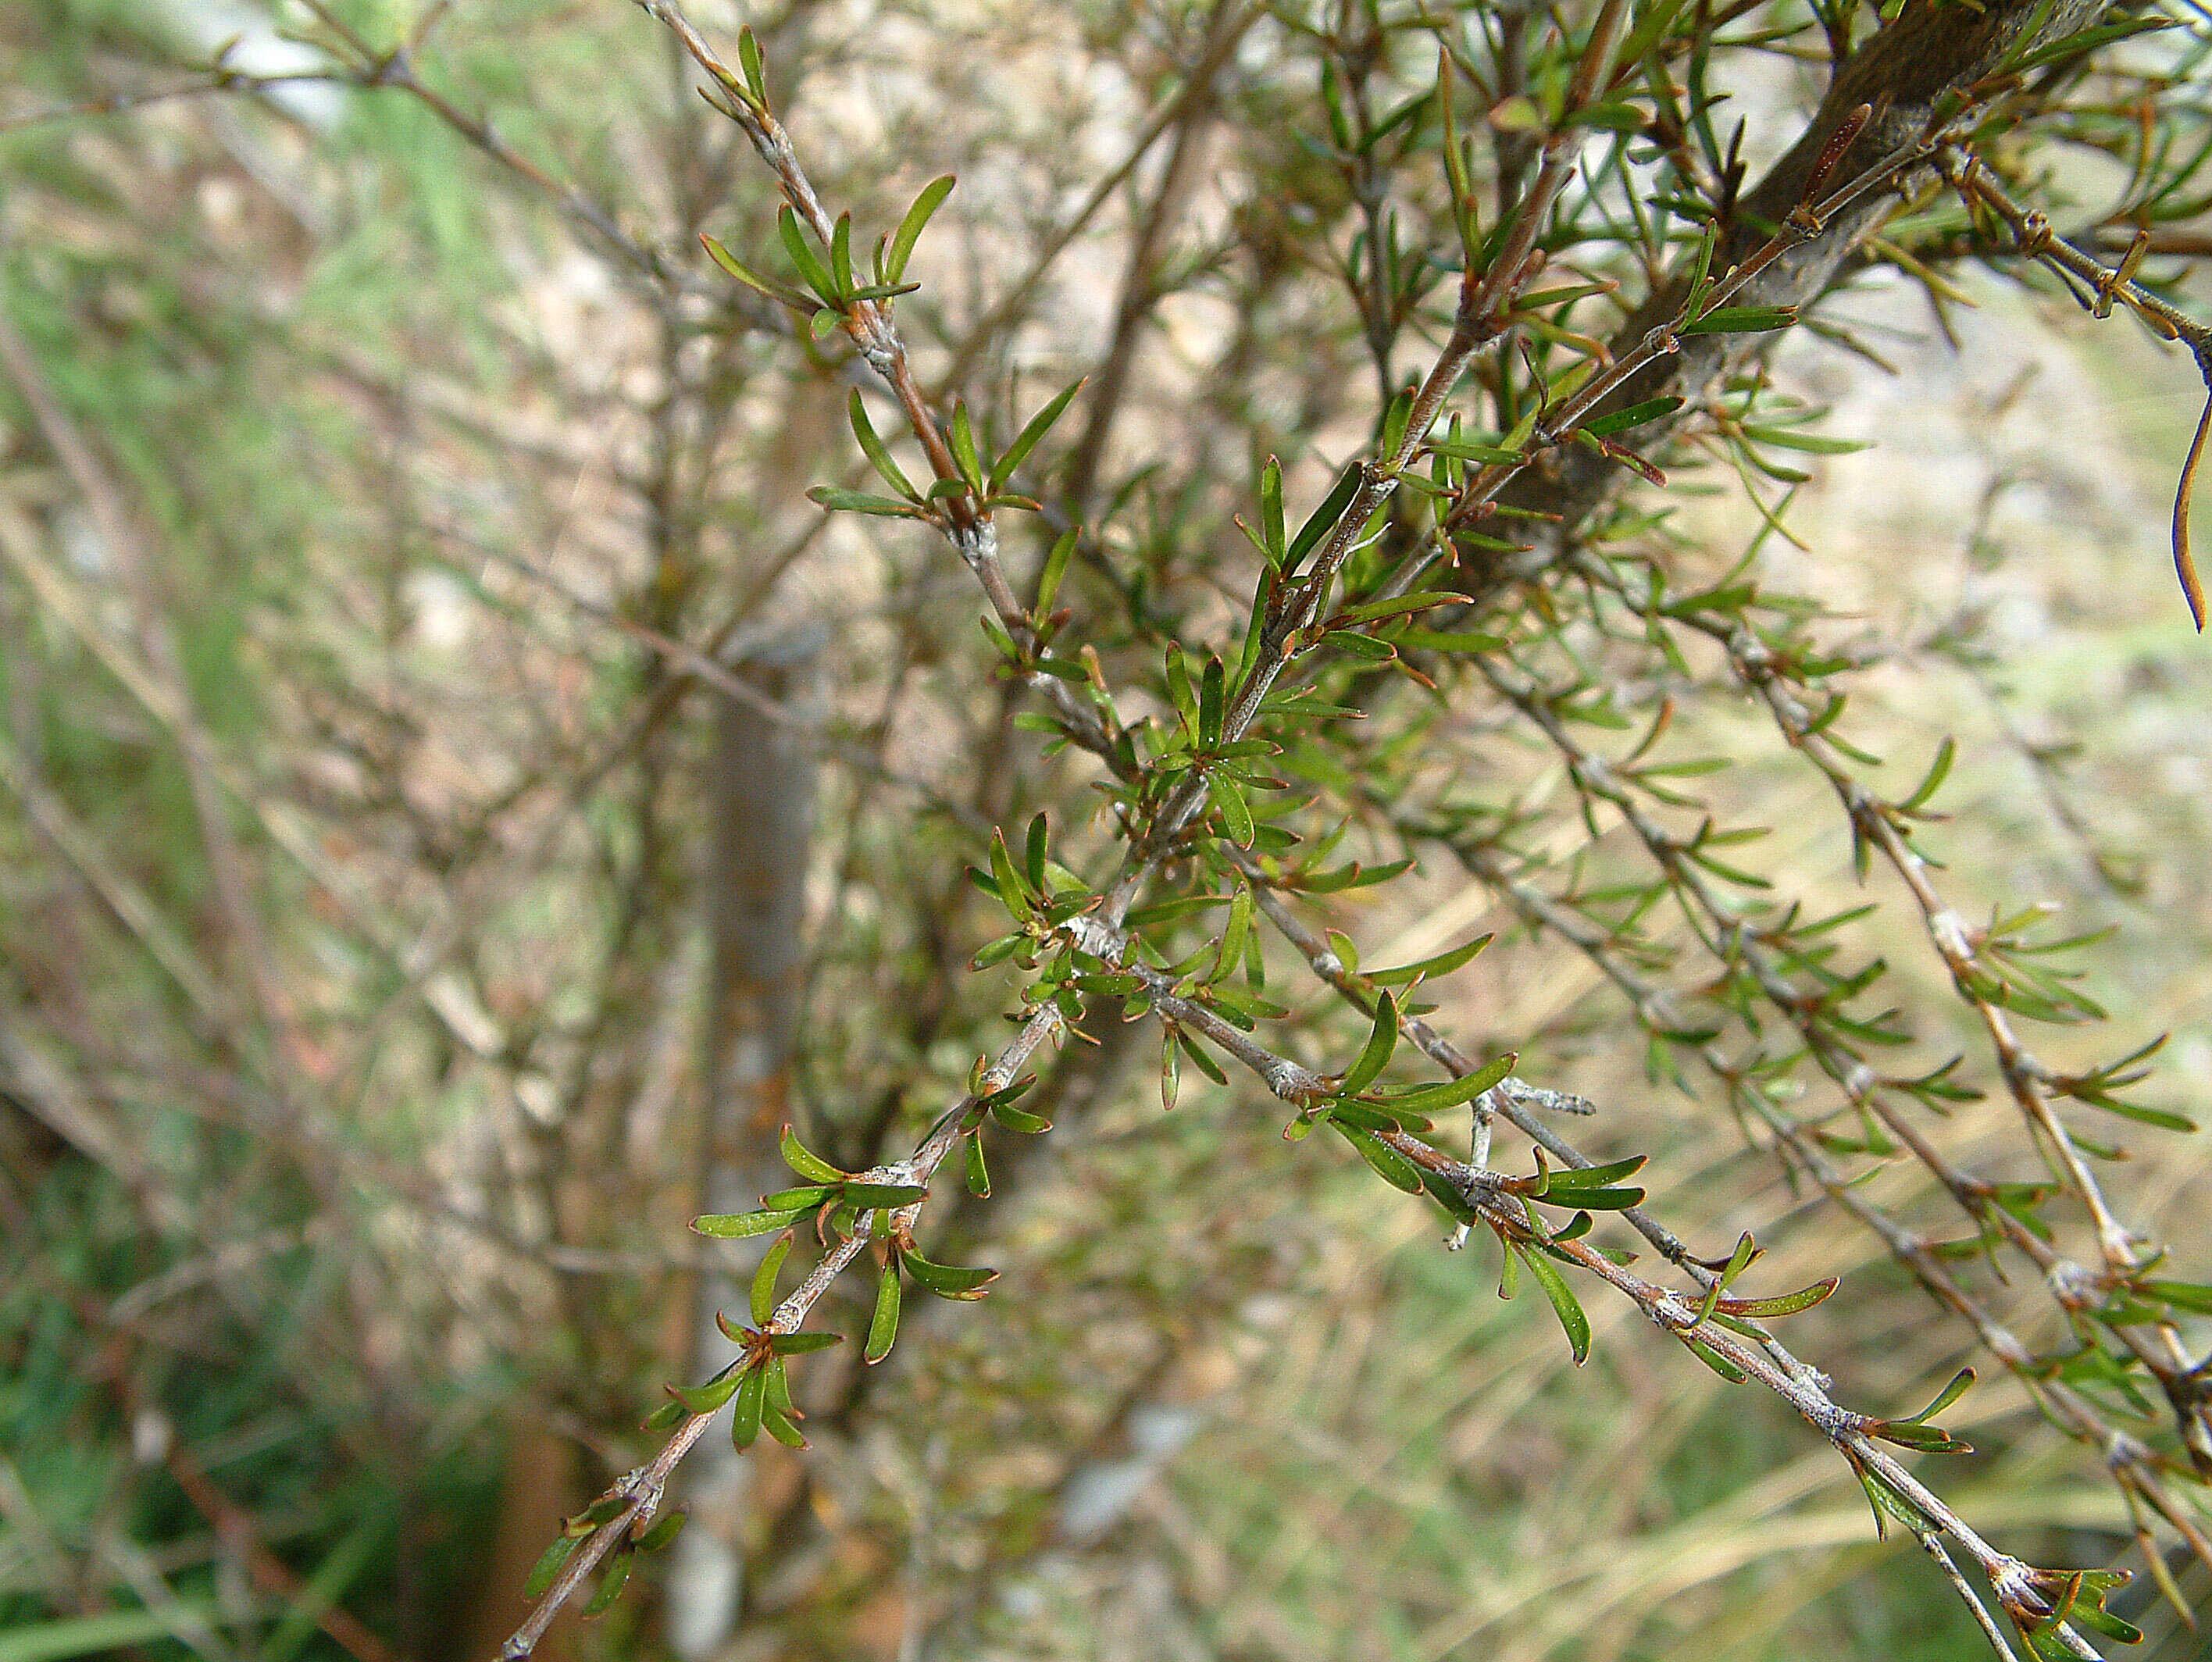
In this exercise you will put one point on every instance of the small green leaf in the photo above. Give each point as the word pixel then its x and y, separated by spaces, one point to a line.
pixel 870 1197
pixel 1960 1381
pixel 1389 1165
pixel 979 1174
pixel 1887 1503
pixel 1034 848
pixel 1368 1117
pixel 1375 1054
pixel 1234 935
pixel 612 1580
pixel 883 1326
pixel 1272 538
pixel 1444 640
pixel 745 1407
pixel 778 1425
pixel 782 293
pixel 748 59
pixel 706 1398
pixel 878 456
pixel 764 1288
pixel 1319 522
pixel 1635 416
pixel 777 1398
pixel 1197 1053
pixel 2180 1294
pixel 1055 566
pixel 1442 964
pixel 1449 1093
pixel 1739 320
pixel 1713 1359
pixel 1938 770
pixel 804 1161
pixel 1352 875
pixel 964 454
pixel 802 1198
pixel 736 1226
pixel 1369 611
pixel 798 1344
pixel 1564 1301
pixel 838 500
pixel 1235 812
pixel 1569 1198
pixel 548 1567
pixel 998 951
pixel 1810 444
pixel 946 1280
pixel 1921 1439
pixel 1785 1304
pixel 2084 41
pixel 810 268
pixel 910 231
pixel 1019 1119
pixel 1020 899
pixel 665 1530
pixel 1466 450
pixel 1029 438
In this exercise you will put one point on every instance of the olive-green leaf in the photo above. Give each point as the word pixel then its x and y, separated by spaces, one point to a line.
pixel 883 1326
pixel 1564 1301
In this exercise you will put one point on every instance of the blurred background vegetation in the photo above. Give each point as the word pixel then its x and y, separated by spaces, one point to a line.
pixel 357 890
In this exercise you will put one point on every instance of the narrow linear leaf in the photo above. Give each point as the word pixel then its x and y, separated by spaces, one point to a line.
pixel 1318 523
pixel 1435 1099
pixel 746 1407
pixel 910 228
pixel 1235 812
pixel 1029 438
pixel 736 1226
pixel 869 1197
pixel 706 1398
pixel 838 500
pixel 878 455
pixel 1055 564
pixel 1785 1304
pixel 1375 1054
pixel 798 1344
pixel 948 1281
pixel 763 1288
pixel 1739 320
pixel 810 268
pixel 612 1580
pixel 805 1161
pixel 1389 1165
pixel 883 1325
pixel 664 1531
pixel 1430 968
pixel 548 1567
pixel 1635 416
pixel 1569 1308
pixel 781 293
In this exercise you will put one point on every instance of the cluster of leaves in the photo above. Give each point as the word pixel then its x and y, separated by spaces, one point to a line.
pixel 1500 266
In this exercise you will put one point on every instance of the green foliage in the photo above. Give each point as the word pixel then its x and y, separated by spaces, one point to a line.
pixel 385 505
